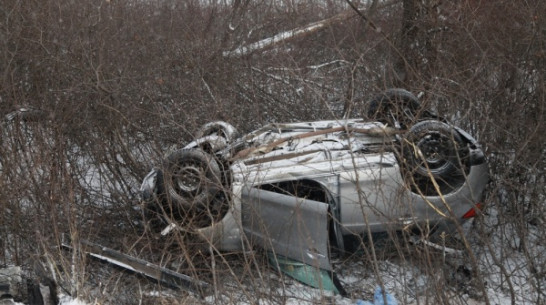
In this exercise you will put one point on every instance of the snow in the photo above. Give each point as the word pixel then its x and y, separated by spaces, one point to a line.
pixel 504 266
pixel 67 300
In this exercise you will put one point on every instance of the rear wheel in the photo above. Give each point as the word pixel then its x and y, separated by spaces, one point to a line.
pixel 434 157
pixel 221 128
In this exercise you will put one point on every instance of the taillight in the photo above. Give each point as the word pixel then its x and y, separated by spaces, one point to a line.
pixel 473 211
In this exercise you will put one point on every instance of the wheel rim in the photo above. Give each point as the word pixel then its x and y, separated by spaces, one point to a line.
pixel 188 179
pixel 435 153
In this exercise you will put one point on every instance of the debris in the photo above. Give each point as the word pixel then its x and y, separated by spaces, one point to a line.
pixel 379 298
pixel 8 301
pixel 306 274
pixel 27 115
pixel 12 288
pixel 163 275
pixel 11 281
pixel 446 250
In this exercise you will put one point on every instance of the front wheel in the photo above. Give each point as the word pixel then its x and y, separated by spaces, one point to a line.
pixel 192 179
pixel 395 107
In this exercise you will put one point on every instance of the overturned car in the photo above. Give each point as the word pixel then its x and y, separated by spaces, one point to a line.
pixel 299 189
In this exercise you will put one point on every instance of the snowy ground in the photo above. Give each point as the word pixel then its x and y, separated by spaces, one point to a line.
pixel 441 279
pixel 66 300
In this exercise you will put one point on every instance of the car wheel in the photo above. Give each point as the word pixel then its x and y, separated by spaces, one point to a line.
pixel 433 153
pixel 393 107
pixel 192 178
pixel 221 128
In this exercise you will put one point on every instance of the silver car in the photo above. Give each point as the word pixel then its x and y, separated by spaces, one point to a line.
pixel 299 189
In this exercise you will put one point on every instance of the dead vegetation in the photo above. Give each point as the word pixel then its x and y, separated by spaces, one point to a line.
pixel 110 86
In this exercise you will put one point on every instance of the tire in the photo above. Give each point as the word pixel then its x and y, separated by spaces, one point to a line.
pixel 394 106
pixel 192 179
pixel 221 128
pixel 434 152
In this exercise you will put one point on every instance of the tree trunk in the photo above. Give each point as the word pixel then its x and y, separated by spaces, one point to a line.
pixel 406 57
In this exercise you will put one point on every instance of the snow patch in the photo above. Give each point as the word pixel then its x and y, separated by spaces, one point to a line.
pixel 68 300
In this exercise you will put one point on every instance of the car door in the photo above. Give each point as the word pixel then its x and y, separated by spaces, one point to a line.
pixel 288 226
